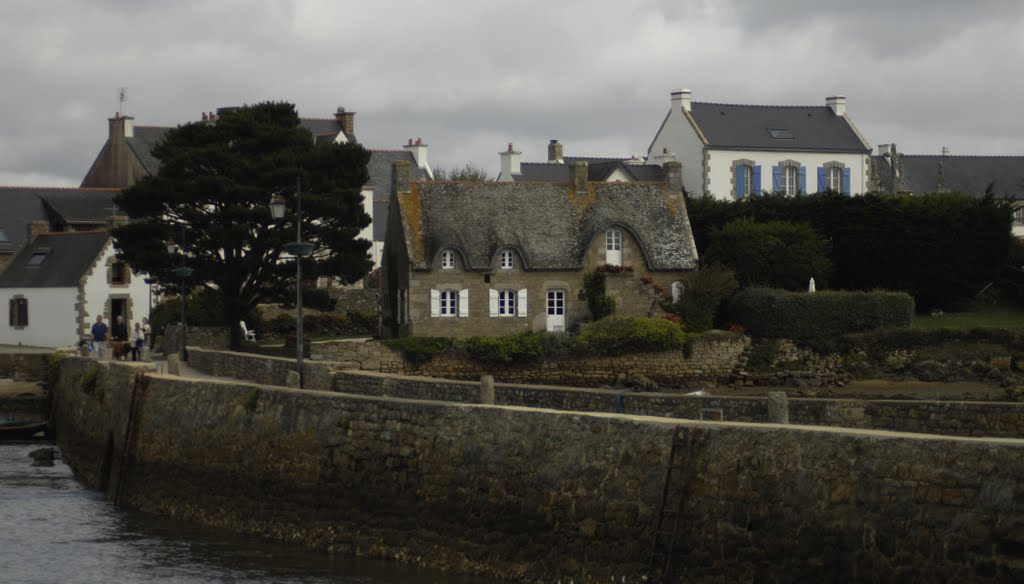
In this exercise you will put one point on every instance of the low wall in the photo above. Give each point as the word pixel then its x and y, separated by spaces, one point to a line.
pixel 713 359
pixel 217 338
pixel 24 366
pixel 994 419
pixel 540 495
pixel 261 368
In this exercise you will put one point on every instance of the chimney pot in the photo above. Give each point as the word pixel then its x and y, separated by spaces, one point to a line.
pixel 399 177
pixel 837 103
pixel 578 175
pixel 673 176
pixel 419 153
pixel 510 164
pixel 555 152
pixel 682 97
pixel 347 120
pixel 205 117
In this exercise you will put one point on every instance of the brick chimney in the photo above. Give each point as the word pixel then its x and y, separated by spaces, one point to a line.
pixel 419 153
pixel 510 164
pixel 399 177
pixel 121 127
pixel 555 152
pixel 837 103
pixel 681 99
pixel 34 228
pixel 674 176
pixel 347 121
pixel 578 175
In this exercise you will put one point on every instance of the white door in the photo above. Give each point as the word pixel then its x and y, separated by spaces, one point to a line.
pixel 556 311
pixel 613 247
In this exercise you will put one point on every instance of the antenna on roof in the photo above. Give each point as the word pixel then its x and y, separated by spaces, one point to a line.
pixel 122 98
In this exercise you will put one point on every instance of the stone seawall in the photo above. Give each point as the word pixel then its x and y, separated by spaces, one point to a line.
pixel 23 366
pixel 993 419
pixel 261 368
pixel 540 495
pixel 713 358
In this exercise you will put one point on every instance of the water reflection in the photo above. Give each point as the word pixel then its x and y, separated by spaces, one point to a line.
pixel 54 530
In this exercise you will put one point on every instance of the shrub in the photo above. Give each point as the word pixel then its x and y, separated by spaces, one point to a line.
pixel 202 308
pixel 615 268
pixel 419 350
pixel 617 335
pixel 770 312
pixel 505 350
pixel 705 292
pixel 773 253
pixel 314 298
pixel 600 304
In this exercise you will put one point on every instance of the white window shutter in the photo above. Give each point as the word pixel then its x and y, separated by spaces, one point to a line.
pixel 494 301
pixel 435 303
pixel 521 305
pixel 464 302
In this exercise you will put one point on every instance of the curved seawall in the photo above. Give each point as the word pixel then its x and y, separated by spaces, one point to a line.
pixel 539 495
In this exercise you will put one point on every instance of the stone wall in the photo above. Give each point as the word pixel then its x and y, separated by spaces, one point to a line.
pixel 713 359
pixel 261 368
pixel 23 366
pixel 364 300
pixel 206 337
pixel 993 419
pixel 538 495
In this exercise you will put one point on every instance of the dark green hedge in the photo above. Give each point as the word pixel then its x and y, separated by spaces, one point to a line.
pixel 769 312
pixel 619 335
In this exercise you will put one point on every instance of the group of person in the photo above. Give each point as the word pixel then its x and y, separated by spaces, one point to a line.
pixel 124 340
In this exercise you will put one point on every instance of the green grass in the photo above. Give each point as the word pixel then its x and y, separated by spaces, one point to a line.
pixel 1008 317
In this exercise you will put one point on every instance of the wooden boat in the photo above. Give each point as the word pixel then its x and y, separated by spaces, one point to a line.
pixel 12 429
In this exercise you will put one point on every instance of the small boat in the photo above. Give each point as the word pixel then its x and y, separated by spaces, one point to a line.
pixel 12 429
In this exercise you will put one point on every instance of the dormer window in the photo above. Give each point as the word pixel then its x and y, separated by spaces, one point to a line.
pixel 447 260
pixel 3 236
pixel 38 256
pixel 613 247
pixel 507 261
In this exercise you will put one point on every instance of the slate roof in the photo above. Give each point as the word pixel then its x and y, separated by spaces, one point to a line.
pixel 379 168
pixel 70 255
pixel 598 169
pixel 970 175
pixel 324 127
pixel 546 222
pixel 142 143
pixel 24 204
pixel 745 127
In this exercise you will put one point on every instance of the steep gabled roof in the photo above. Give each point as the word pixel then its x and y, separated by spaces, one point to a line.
pixel 971 175
pixel 799 128
pixel 598 169
pixel 379 168
pixel 65 259
pixel 142 144
pixel 549 223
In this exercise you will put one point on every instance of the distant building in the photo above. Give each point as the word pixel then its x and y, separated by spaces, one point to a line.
pixel 58 283
pixel 557 168
pixel 734 151
pixel 492 258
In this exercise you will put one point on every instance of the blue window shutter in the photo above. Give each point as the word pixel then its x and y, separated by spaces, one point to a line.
pixel 740 180
pixel 755 179
pixel 846 181
pixel 776 179
pixel 801 184
pixel 822 179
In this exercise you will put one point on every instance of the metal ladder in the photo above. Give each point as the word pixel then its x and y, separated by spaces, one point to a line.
pixel 673 499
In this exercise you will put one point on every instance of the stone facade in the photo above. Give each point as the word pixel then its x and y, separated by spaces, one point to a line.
pixel 538 495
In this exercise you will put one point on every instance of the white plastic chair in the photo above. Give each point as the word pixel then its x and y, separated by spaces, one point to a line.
pixel 247 334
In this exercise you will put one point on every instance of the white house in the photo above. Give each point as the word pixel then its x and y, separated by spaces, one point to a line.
pixel 59 282
pixel 733 151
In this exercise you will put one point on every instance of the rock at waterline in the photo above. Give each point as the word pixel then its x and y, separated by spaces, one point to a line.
pixel 43 456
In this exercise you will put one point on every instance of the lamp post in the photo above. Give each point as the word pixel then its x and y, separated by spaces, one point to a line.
pixel 299 249
pixel 182 272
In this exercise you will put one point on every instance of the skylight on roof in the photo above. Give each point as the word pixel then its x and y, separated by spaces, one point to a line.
pixel 3 236
pixel 38 256
pixel 780 133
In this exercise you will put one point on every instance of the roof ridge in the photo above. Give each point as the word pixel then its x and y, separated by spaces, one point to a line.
pixel 89 232
pixel 60 188
pixel 961 155
pixel 719 104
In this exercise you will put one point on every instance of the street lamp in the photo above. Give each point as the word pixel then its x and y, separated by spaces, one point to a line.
pixel 182 272
pixel 299 249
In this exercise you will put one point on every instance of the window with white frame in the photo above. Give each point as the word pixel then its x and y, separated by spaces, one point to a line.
pixel 449 303
pixel 790 176
pixel 447 260
pixel 835 179
pixel 745 182
pixel 506 303
pixel 507 263
pixel 613 247
pixel 1018 216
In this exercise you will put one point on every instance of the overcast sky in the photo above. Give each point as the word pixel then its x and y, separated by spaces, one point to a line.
pixel 469 76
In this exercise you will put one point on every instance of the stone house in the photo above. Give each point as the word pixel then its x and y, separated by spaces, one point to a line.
pixel 496 258
pixel 557 167
pixel 733 151
pixel 127 156
pixel 918 174
pixel 58 283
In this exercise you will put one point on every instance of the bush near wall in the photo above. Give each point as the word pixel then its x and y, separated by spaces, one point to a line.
pixel 769 312
pixel 351 323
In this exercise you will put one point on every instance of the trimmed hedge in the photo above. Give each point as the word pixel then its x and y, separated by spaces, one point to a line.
pixel 619 335
pixel 770 312
pixel 419 350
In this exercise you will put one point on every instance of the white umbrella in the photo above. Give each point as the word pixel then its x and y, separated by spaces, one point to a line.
pixel 810 286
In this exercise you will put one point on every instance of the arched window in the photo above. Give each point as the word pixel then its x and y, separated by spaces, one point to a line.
pixel 613 247
pixel 447 260
pixel 507 261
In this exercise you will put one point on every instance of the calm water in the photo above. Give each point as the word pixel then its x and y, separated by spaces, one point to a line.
pixel 53 529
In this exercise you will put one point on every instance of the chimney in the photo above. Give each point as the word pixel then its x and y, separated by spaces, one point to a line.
pixel 578 175
pixel 674 176
pixel 34 228
pixel 347 121
pixel 837 103
pixel 121 127
pixel 681 98
pixel 399 177
pixel 555 152
pixel 419 153
pixel 509 164
pixel 663 157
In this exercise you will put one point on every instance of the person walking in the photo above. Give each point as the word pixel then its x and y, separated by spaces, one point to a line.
pixel 119 335
pixel 99 338
pixel 138 338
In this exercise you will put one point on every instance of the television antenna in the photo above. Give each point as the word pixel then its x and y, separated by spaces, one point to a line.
pixel 122 98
